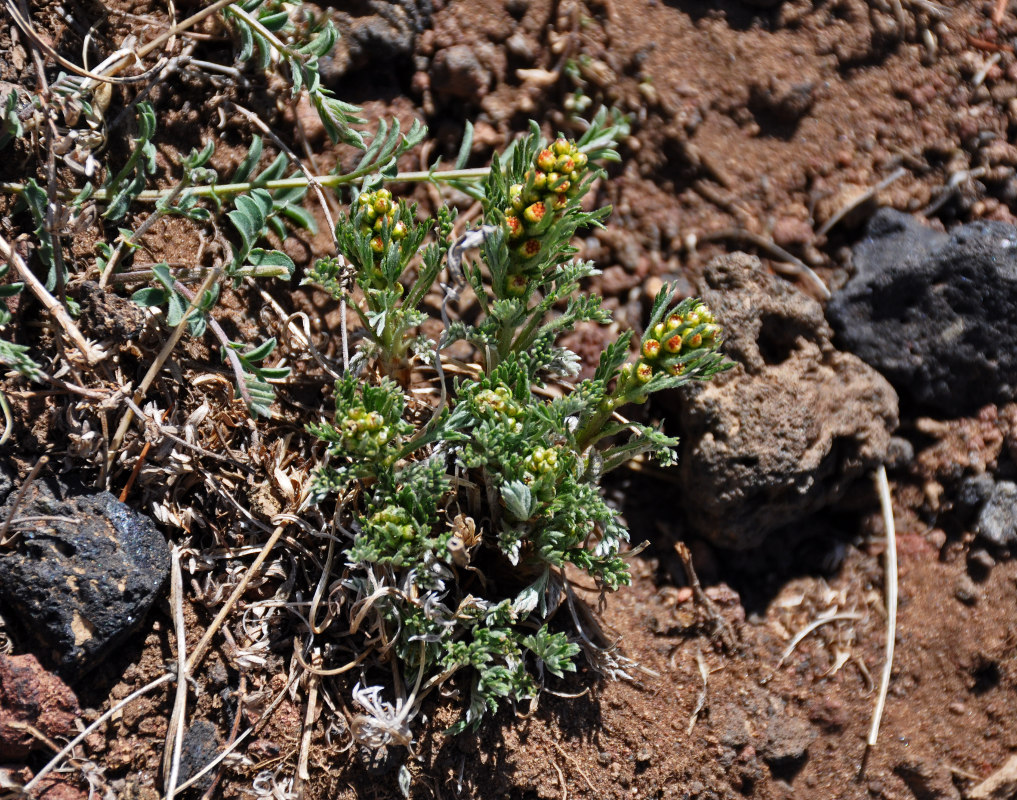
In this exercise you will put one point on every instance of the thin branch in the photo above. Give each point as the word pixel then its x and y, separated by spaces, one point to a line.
pixel 203 644
pixel 155 368
pixel 891 602
pixel 92 354
pixel 720 626
pixel 293 182
pixel 815 624
pixel 175 729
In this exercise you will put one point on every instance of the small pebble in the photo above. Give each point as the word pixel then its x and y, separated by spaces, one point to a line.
pixel 521 46
pixel 965 590
pixel 900 453
pixel 980 561
pixel 936 538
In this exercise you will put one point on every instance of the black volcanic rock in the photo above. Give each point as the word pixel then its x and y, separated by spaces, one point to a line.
pixel 936 313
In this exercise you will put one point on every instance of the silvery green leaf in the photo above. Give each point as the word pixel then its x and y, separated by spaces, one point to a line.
pixel 530 597
pixel 518 499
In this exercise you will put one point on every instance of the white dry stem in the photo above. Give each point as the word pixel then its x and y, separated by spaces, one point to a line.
pixel 8 419
pixel 860 198
pixel 175 729
pixel 885 502
pixel 704 674
pixel 815 624
pixel 310 715
pixel 92 354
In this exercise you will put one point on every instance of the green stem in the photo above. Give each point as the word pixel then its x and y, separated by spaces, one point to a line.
pixel 270 37
pixel 294 182
pixel 525 337
pixel 593 430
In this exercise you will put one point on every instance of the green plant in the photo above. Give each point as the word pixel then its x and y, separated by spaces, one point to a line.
pixel 464 513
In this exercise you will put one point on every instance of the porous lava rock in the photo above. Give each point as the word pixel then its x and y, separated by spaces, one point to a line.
pixel 31 696
pixel 934 312
pixel 83 571
pixel 788 428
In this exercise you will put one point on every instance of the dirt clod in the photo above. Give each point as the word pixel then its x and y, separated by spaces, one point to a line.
pixel 31 696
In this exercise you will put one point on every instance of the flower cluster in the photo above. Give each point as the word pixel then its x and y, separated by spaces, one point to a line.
pixel 379 213
pixel 500 401
pixel 555 179
pixel 366 432
pixel 668 346
pixel 542 460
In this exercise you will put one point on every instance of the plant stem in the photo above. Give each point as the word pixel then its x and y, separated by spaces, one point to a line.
pixel 296 181
pixel 92 354
pixel 154 369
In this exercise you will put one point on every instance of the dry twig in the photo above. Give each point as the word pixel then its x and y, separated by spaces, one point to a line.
pixel 891 603
pixel 704 673
pixel 719 625
pixel 155 368
pixel 92 354
pixel 175 728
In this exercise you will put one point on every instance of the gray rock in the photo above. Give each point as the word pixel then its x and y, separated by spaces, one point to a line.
pixel 936 313
pixel 790 427
pixel 457 71
pixel 965 590
pixel 522 46
pixel 900 454
pixel 975 490
pixel 84 571
pixel 997 521
pixel 761 719
pixel 787 741
pixel 980 562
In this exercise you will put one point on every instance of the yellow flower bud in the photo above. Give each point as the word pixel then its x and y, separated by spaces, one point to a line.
pixel 546 160
pixel 529 249
pixel 514 225
pixel 535 213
